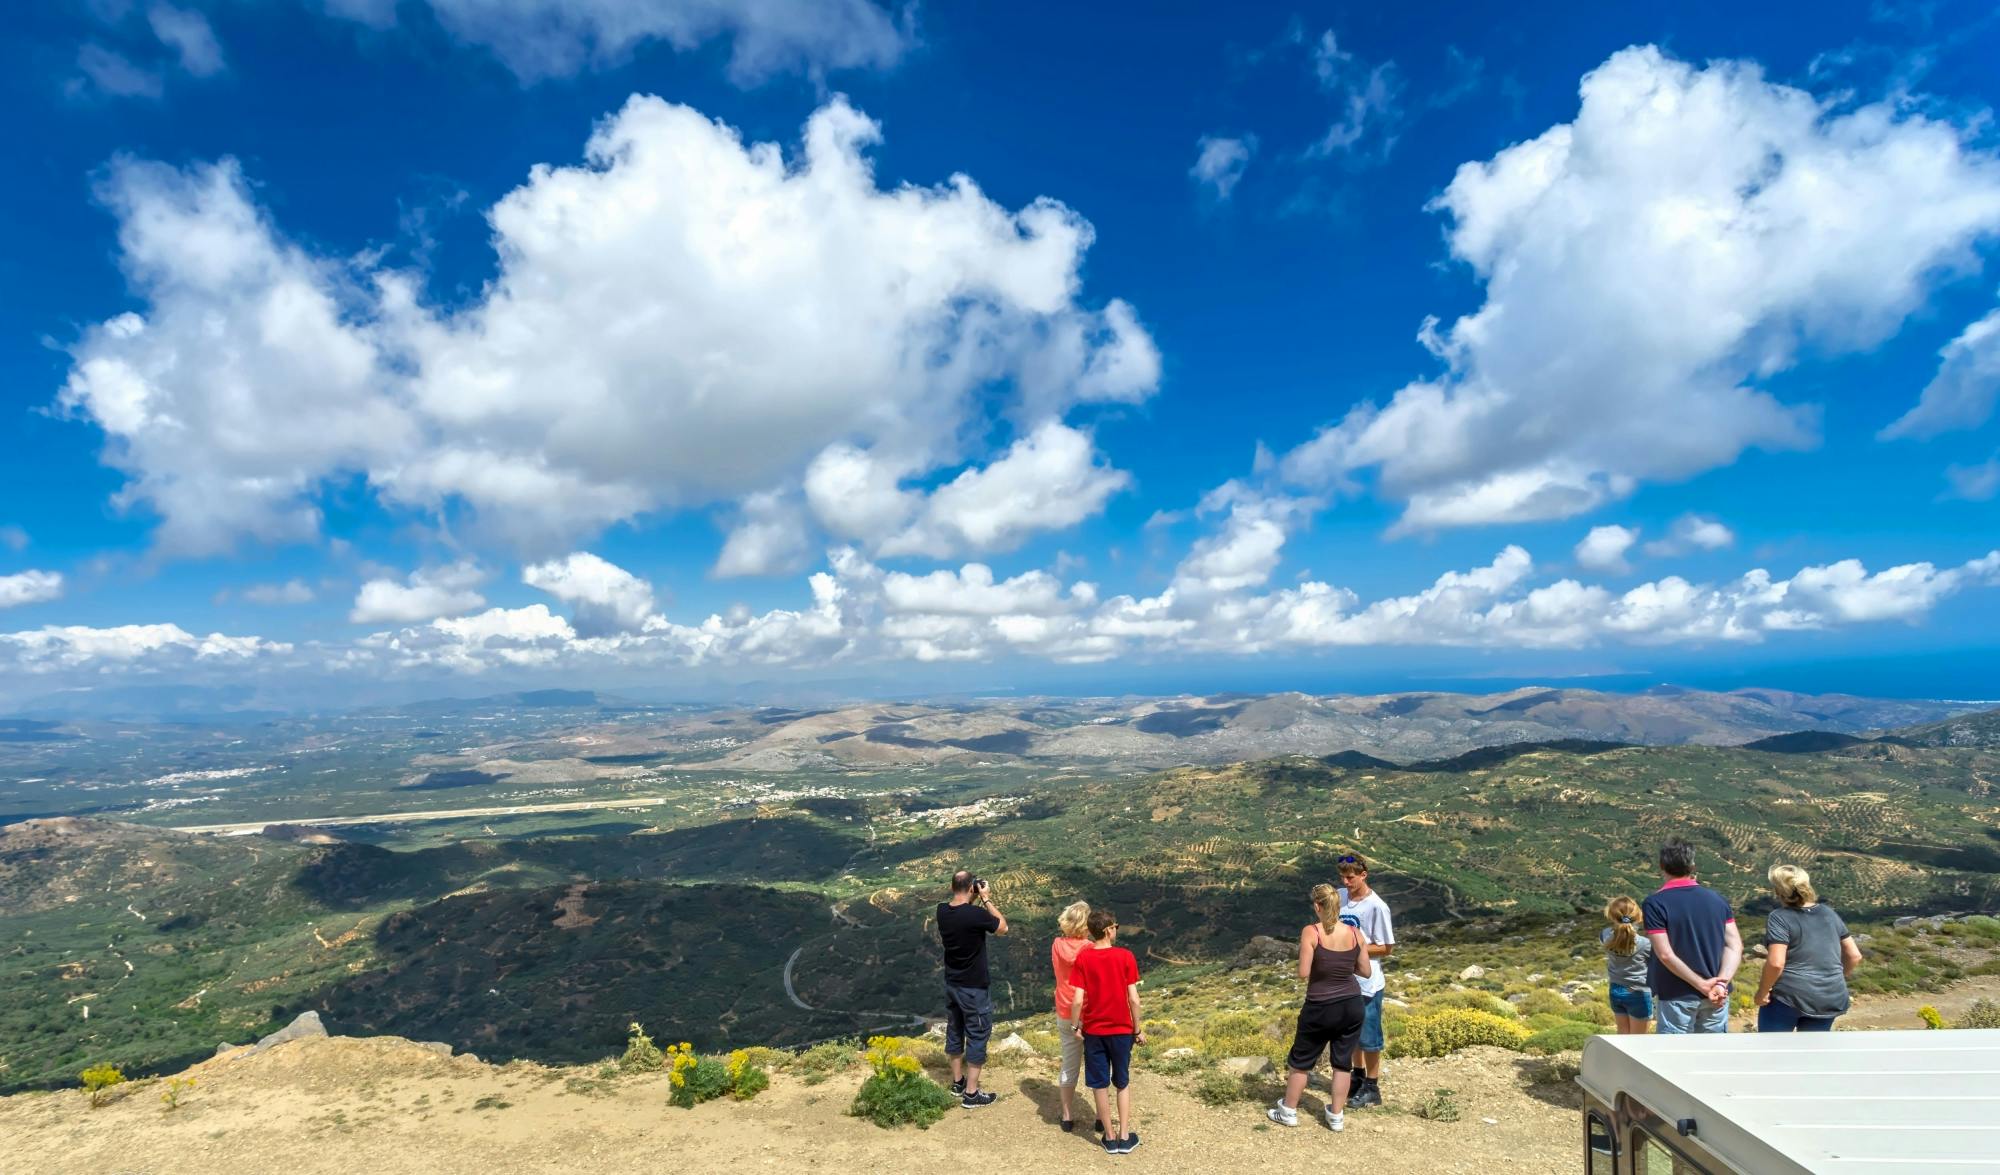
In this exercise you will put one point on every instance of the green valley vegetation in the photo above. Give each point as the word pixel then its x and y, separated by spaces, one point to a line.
pixel 750 914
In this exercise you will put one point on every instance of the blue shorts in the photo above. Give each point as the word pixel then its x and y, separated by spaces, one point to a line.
pixel 968 1022
pixel 1690 1017
pixel 1635 1002
pixel 1107 1060
pixel 1371 1021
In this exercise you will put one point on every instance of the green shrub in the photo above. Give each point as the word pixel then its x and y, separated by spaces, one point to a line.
pixel 1440 1106
pixel 1537 1003
pixel 1471 1001
pixel 98 1080
pixel 1443 1033
pixel 1981 926
pixel 695 1079
pixel 641 1054
pixel 1565 1038
pixel 823 1060
pixel 898 1092
pixel 1241 1034
pixel 1219 1088
pixel 1595 1012
pixel 746 1078
pixel 1982 1014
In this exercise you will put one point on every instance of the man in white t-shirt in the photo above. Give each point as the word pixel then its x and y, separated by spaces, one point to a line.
pixel 1364 909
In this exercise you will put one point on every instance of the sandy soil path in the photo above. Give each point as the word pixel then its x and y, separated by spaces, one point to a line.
pixel 337 1105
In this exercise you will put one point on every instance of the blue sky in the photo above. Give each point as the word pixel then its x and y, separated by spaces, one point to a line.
pixel 333 353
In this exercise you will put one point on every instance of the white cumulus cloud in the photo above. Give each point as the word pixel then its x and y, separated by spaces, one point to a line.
pixel 606 598
pixel 682 320
pixel 1693 532
pixel 1645 265
pixel 1604 548
pixel 427 593
pixel 30 587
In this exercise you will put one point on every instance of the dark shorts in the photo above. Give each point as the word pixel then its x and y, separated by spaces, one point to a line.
pixel 968 1022
pixel 1371 1021
pixel 1107 1060
pixel 1324 1025
pixel 1636 1002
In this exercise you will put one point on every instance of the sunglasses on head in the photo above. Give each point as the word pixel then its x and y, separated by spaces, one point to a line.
pixel 1350 859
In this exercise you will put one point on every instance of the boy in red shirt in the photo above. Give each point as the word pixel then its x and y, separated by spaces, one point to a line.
pixel 1106 1013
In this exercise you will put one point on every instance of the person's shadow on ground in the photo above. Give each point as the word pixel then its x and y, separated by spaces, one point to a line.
pixel 1048 1105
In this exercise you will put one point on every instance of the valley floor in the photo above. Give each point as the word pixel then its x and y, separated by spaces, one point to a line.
pixel 338 1105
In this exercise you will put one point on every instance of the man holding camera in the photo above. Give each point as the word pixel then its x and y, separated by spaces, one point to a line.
pixel 963 924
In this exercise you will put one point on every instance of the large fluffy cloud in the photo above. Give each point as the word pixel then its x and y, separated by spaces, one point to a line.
pixel 1645 266
pixel 683 319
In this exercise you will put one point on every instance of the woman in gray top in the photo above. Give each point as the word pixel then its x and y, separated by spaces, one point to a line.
pixel 1810 956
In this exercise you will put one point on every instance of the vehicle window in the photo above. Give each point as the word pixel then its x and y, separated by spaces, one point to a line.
pixel 1656 1159
pixel 1602 1156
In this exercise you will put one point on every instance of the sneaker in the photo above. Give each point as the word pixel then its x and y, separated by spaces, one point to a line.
pixel 1068 1125
pixel 1283 1115
pixel 958 1087
pixel 1128 1144
pixel 1098 1125
pixel 1111 1146
pixel 1369 1094
pixel 1336 1122
pixel 973 1101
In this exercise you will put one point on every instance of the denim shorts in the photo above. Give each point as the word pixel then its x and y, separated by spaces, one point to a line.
pixel 1371 1022
pixel 1107 1060
pixel 1690 1017
pixel 1635 1002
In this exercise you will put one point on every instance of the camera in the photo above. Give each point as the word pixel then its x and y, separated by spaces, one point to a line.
pixel 979 885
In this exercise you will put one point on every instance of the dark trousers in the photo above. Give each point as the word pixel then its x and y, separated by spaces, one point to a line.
pixel 1779 1016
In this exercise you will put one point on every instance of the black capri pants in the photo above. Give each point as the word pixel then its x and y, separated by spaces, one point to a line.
pixel 1325 1024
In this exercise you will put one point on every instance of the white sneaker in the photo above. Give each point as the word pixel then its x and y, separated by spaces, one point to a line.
pixel 1282 1114
pixel 1336 1122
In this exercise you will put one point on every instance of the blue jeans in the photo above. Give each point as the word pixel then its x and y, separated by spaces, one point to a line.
pixel 1779 1016
pixel 1690 1017
pixel 1371 1022
pixel 1635 1002
pixel 968 1022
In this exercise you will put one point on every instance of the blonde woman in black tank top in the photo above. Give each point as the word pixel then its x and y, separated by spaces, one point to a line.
pixel 1333 958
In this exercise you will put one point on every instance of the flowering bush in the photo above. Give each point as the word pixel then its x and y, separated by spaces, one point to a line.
pixel 897 1091
pixel 1930 1016
pixel 746 1080
pixel 98 1080
pixel 1444 1033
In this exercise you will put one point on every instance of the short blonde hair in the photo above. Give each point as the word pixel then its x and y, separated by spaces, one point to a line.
pixel 1074 921
pixel 1792 885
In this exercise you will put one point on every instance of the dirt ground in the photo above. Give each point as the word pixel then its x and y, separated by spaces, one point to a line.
pixel 338 1105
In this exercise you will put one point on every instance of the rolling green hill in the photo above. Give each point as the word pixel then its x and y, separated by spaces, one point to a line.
pixel 548 947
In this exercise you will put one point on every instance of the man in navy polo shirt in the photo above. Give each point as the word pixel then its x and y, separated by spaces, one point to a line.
pixel 1696 947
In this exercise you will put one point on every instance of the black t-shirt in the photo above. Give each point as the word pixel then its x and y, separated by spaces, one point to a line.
pixel 963 930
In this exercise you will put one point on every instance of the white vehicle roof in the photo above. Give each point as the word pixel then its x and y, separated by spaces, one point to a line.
pixel 1796 1102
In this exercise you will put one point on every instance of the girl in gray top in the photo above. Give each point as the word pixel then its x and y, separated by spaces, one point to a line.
pixel 1626 952
pixel 1809 956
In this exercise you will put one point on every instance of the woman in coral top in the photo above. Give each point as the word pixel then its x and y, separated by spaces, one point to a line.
pixel 1074 922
